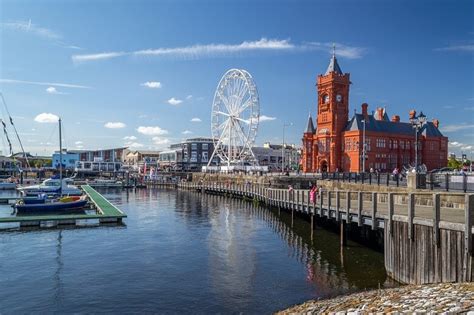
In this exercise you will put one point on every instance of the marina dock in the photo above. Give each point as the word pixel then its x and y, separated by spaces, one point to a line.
pixel 106 212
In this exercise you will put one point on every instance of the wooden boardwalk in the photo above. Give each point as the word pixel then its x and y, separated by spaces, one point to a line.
pixel 105 213
pixel 423 242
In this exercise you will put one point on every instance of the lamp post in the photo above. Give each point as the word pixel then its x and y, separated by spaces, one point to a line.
pixel 363 146
pixel 283 147
pixel 417 122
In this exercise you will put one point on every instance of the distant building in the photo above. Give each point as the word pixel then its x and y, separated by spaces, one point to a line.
pixel 102 155
pixel 138 158
pixel 8 165
pixel 35 161
pixel 98 161
pixel 69 159
pixel 336 143
pixel 188 155
pixel 271 155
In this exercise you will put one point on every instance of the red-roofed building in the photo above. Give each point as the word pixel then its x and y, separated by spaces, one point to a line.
pixel 336 144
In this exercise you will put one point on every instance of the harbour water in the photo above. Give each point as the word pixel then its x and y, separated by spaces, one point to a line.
pixel 180 251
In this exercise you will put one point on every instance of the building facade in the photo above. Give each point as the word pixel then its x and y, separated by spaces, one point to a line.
pixel 336 144
pixel 189 155
pixel 69 159
pixel 271 155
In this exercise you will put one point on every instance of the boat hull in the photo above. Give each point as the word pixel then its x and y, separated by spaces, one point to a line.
pixel 51 207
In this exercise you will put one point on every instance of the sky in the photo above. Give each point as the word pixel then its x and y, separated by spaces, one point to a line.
pixel 143 74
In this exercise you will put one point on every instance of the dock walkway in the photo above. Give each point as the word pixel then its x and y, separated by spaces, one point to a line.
pixel 106 213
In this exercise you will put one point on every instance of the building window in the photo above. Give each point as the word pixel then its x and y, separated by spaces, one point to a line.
pixel 205 157
pixel 194 146
pixel 193 156
pixel 205 146
pixel 395 144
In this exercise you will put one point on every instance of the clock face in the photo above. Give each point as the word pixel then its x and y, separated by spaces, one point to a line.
pixel 326 99
pixel 339 97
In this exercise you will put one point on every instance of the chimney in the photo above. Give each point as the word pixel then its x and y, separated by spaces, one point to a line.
pixel 436 123
pixel 396 118
pixel 379 113
pixel 412 114
pixel 364 109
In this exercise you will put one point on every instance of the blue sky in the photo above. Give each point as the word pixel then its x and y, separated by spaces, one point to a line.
pixel 137 72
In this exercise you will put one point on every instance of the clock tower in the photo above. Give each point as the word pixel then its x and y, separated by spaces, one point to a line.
pixel 332 116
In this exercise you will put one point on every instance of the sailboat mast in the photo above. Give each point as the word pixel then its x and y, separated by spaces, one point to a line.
pixel 60 158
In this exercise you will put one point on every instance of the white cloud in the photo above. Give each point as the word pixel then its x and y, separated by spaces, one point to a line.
pixel 187 132
pixel 152 131
pixel 79 146
pixel 152 84
pixel 453 128
pixel 173 101
pixel 53 90
pixel 130 138
pixel 66 85
pixel 467 148
pixel 134 145
pixel 461 48
pixel 350 52
pixel 266 118
pixel 99 56
pixel 160 141
pixel 455 144
pixel 28 27
pixel 78 142
pixel 189 97
pixel 195 119
pixel 46 118
pixel 199 51
pixel 115 125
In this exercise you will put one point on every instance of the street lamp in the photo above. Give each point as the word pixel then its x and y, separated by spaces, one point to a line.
pixel 417 122
pixel 363 146
pixel 283 147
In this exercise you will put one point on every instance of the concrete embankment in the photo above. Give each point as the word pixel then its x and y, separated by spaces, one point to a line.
pixel 437 298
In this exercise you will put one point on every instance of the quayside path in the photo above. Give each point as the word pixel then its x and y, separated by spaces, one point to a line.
pixel 425 239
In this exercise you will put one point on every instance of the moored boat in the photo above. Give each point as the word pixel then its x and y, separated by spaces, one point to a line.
pixel 51 186
pixel 45 205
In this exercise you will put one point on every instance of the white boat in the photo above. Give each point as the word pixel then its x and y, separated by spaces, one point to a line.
pixel 52 186
pixel 99 182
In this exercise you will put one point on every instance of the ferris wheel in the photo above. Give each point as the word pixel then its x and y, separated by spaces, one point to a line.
pixel 234 119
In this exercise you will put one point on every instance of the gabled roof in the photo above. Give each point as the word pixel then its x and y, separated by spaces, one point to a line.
pixel 310 126
pixel 333 66
pixel 387 126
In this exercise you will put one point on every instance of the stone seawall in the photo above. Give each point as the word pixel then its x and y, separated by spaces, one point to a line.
pixel 439 298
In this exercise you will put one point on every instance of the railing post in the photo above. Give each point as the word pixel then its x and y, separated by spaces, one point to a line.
pixel 359 208
pixel 362 177
pixel 411 214
pixel 374 209
pixel 329 204
pixel 436 217
pixel 464 182
pixel 348 206
pixel 469 212
pixel 378 179
pixel 370 178
pixel 391 205
pixel 388 179
pixel 446 180
pixel 338 204
pixel 321 202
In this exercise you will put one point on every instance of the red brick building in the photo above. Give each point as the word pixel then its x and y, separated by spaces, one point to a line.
pixel 337 142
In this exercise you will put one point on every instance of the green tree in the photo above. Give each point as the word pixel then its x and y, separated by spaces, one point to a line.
pixel 454 164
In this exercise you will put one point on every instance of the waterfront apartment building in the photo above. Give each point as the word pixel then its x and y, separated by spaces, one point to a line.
pixel 336 143
pixel 189 155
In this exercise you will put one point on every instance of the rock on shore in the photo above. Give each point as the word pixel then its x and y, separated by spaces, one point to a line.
pixel 435 298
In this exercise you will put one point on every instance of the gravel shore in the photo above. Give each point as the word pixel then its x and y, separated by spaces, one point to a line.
pixel 436 298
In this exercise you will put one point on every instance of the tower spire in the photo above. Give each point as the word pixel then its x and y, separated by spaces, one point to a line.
pixel 333 65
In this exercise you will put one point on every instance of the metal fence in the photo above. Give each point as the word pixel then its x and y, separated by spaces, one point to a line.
pixel 432 181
